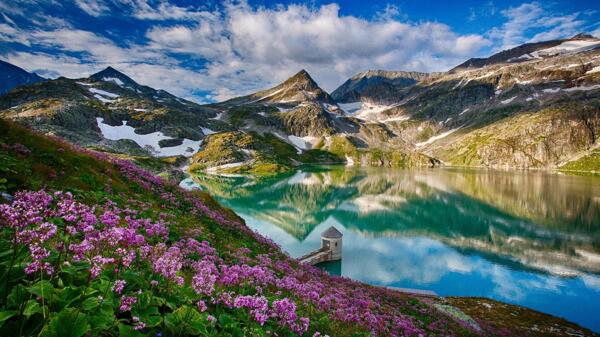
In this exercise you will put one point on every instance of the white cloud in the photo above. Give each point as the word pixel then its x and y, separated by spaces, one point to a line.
pixel 260 45
pixel 164 11
pixel 244 48
pixel 92 7
pixel 524 20
pixel 50 65
pixel 9 33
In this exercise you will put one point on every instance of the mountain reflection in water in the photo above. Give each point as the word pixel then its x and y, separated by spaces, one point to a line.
pixel 530 238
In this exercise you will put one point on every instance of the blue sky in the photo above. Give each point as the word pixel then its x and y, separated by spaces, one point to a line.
pixel 212 50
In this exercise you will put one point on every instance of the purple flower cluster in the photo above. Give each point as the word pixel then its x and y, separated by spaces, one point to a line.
pixel 110 239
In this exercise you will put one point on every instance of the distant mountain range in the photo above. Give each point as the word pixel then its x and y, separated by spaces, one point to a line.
pixel 376 85
pixel 533 106
pixel 12 76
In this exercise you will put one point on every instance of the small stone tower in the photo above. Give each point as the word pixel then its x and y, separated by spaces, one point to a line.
pixel 332 239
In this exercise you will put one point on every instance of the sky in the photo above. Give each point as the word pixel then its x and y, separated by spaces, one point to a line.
pixel 209 51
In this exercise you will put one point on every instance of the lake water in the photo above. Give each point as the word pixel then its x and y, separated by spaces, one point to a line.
pixel 529 238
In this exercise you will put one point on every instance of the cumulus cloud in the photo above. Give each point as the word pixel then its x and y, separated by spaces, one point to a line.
pixel 263 45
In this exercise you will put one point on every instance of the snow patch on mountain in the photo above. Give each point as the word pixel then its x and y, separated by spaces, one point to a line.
pixel 214 169
pixel 506 101
pixel 266 96
pixel 576 46
pixel 187 148
pixel 299 143
pixel 350 108
pixel 584 88
pixel 103 100
pixel 115 80
pixel 207 131
pixel 596 69
pixel 435 138
pixel 103 93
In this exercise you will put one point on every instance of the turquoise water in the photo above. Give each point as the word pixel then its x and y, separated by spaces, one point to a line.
pixel 528 238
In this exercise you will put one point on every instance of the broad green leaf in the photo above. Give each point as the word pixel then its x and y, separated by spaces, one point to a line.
pixel 17 296
pixel 4 315
pixel 31 308
pixel 90 303
pixel 42 288
pixel 68 323
pixel 101 319
pixel 127 331
pixel 186 321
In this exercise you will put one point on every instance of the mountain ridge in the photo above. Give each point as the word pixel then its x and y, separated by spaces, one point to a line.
pixel 397 118
pixel 12 76
pixel 513 54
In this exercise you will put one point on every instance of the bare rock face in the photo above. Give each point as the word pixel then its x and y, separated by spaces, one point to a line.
pixel 308 120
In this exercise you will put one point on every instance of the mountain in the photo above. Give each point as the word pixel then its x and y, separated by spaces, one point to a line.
pixel 12 76
pixel 538 50
pixel 110 74
pixel 110 111
pixel 300 114
pixel 542 113
pixel 299 88
pixel 537 111
pixel 375 85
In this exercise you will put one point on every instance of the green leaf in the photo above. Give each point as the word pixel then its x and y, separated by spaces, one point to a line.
pixel 42 288
pixel 127 331
pixel 68 323
pixel 102 319
pixel 68 295
pixel 226 320
pixel 186 321
pixel 31 308
pixel 4 315
pixel 17 296
pixel 90 303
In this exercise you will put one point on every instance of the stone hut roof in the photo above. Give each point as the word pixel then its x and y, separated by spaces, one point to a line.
pixel 331 233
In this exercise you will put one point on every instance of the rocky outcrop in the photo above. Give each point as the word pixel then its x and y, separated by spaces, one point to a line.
pixel 307 120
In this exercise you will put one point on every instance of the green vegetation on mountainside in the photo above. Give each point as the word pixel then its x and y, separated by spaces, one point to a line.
pixel 252 153
pixel 529 139
pixel 588 163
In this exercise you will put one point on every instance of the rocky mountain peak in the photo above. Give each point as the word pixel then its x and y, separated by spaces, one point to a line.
pixel 583 36
pixel 301 80
pixel 110 74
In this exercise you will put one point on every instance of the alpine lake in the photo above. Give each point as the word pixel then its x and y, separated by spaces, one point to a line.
pixel 530 238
